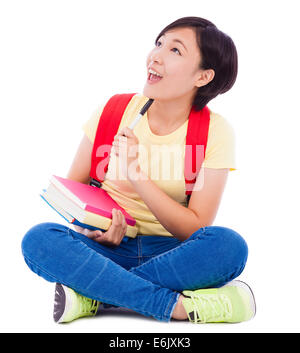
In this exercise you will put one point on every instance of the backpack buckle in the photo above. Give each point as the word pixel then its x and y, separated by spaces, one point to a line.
pixel 95 183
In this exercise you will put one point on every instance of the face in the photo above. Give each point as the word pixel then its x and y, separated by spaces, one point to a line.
pixel 176 57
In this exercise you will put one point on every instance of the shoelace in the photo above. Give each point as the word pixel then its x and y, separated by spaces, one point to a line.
pixel 211 307
pixel 88 305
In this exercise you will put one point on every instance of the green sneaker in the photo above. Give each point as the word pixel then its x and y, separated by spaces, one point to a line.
pixel 233 302
pixel 69 305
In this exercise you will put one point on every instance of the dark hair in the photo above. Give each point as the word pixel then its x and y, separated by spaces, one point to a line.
pixel 218 52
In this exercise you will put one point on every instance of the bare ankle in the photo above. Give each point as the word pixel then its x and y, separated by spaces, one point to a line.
pixel 179 312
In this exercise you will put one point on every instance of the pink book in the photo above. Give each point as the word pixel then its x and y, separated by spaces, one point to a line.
pixel 90 198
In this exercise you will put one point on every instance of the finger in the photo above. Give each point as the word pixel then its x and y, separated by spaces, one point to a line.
pixel 121 139
pixel 124 224
pixel 116 218
pixel 89 234
pixel 115 150
pixel 78 228
pixel 119 134
pixel 121 217
pixel 119 142
pixel 122 132
pixel 93 234
pixel 127 131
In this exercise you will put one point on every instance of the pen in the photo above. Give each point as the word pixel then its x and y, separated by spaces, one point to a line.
pixel 141 113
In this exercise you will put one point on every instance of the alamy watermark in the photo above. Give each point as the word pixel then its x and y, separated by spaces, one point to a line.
pixel 158 162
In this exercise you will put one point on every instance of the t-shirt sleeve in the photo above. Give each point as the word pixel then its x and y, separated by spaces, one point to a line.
pixel 91 125
pixel 220 149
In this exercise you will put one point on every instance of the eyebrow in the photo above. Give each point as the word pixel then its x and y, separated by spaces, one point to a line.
pixel 178 41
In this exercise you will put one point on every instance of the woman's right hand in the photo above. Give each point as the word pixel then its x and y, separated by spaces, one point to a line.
pixel 113 236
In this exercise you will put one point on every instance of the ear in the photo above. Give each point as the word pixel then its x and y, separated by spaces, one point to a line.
pixel 205 77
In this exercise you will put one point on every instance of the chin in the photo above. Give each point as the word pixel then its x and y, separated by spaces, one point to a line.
pixel 149 92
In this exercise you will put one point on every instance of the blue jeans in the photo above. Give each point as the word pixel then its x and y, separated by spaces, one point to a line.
pixel 145 274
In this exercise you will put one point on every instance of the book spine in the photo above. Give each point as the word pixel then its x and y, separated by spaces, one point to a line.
pixel 84 225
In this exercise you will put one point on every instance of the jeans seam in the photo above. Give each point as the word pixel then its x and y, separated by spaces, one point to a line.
pixel 162 317
pixel 139 248
pixel 167 252
pixel 169 304
pixel 39 267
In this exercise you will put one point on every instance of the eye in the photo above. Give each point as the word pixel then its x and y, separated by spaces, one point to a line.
pixel 177 50
pixel 159 42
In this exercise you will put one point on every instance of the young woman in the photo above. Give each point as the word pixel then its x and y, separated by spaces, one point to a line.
pixel 178 266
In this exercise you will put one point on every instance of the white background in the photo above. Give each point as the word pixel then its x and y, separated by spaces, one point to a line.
pixel 61 59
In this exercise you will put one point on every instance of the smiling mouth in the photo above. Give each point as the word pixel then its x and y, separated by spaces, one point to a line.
pixel 153 78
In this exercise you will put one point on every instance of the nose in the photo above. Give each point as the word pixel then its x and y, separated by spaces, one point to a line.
pixel 155 57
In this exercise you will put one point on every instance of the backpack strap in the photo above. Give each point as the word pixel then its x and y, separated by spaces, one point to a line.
pixel 196 140
pixel 107 129
pixel 195 146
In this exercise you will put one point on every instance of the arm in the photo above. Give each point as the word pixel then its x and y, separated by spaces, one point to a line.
pixel 180 221
pixel 80 171
pixel 81 165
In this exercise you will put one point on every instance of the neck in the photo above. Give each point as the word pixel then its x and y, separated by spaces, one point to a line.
pixel 171 112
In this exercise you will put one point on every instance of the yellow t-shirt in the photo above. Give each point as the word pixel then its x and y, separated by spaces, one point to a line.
pixel 162 159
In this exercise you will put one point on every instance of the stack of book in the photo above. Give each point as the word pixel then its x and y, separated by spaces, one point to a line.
pixel 84 205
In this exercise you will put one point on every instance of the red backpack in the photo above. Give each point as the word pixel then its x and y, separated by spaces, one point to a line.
pixel 197 132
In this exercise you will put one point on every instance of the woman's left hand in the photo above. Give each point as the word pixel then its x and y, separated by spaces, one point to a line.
pixel 126 147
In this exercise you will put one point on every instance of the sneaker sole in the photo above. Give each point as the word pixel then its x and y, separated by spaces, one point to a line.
pixel 62 303
pixel 247 288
